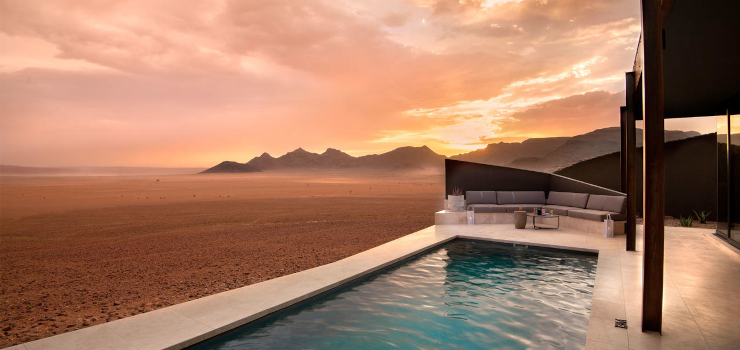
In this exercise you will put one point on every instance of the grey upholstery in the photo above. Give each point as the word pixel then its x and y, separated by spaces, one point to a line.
pixel 568 199
pixel 580 200
pixel 595 215
pixel 559 198
pixel 516 197
pixel 505 197
pixel 560 203
pixel 559 209
pixel 615 204
pixel 510 208
pixel 595 202
pixel 480 197
pixel 487 208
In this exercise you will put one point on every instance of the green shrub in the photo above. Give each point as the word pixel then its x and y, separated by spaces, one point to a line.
pixel 702 217
pixel 686 222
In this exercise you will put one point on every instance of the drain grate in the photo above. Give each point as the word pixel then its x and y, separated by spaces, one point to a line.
pixel 620 323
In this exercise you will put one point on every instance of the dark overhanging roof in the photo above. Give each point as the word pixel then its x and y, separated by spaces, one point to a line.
pixel 701 60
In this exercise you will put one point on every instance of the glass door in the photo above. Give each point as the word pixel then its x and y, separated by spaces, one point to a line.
pixel 734 178
pixel 723 192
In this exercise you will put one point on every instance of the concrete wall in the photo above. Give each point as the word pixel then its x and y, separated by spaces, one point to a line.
pixel 483 177
pixel 690 168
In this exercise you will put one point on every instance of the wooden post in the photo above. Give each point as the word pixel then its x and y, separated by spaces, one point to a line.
pixel 633 109
pixel 728 157
pixel 653 165
pixel 623 149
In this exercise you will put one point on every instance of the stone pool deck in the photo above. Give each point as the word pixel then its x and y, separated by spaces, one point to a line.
pixel 701 289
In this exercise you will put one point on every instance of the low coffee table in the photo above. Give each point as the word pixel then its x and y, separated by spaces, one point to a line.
pixel 535 216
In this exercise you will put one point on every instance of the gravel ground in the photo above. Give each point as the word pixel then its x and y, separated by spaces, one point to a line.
pixel 104 257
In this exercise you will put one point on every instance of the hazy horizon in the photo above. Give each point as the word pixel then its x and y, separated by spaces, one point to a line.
pixel 91 168
pixel 142 84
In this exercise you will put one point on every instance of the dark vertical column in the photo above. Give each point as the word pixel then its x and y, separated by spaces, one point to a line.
pixel 653 165
pixel 633 109
pixel 730 185
pixel 623 148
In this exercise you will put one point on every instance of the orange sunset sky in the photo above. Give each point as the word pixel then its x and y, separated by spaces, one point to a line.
pixel 192 83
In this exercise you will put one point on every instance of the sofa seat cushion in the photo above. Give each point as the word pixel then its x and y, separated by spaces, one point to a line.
pixel 559 209
pixel 480 197
pixel 510 208
pixel 487 208
pixel 514 197
pixel 596 215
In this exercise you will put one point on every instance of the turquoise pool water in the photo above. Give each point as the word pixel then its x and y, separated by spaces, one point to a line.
pixel 463 295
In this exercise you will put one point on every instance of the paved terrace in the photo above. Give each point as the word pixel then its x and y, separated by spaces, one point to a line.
pixel 700 308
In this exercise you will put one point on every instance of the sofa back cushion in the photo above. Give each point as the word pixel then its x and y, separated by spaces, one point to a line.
pixel 580 200
pixel 521 197
pixel 616 204
pixel 595 202
pixel 505 197
pixel 480 197
pixel 559 198
pixel 568 199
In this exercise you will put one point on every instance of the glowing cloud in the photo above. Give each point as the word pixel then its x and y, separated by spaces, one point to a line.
pixel 156 83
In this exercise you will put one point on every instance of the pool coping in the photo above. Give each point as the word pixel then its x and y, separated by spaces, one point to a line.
pixel 185 324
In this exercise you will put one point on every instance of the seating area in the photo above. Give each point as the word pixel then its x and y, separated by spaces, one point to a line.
pixel 582 211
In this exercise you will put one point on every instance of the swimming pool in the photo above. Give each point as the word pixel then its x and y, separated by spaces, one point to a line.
pixel 462 295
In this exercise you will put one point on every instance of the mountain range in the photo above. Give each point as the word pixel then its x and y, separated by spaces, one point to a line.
pixel 540 154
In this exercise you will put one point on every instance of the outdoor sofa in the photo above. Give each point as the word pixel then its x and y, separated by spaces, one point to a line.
pixel 581 211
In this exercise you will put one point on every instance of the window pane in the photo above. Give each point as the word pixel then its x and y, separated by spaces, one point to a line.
pixel 734 182
pixel 722 184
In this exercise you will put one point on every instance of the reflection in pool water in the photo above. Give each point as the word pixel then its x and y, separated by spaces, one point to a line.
pixel 464 295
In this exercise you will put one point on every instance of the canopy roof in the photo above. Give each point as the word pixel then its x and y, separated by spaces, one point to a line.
pixel 701 59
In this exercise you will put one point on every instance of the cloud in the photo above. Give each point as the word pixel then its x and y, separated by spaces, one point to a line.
pixel 473 125
pixel 162 83
pixel 396 19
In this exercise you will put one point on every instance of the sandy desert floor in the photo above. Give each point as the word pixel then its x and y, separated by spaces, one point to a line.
pixel 79 251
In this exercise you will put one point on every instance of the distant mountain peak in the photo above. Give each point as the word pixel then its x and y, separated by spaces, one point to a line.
pixel 299 150
pixel 231 167
pixel 333 151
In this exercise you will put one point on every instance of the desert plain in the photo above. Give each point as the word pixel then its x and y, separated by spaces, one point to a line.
pixel 82 250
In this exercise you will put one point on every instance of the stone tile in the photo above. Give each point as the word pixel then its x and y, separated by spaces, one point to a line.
pixel 608 280
pixel 603 330
pixel 717 326
pixel 97 337
pixel 715 309
pixel 16 347
pixel 631 280
pixel 615 295
pixel 179 338
pixel 607 309
pixel 632 296
pixel 597 345
pixel 722 343
pixel 676 334
pixel 159 322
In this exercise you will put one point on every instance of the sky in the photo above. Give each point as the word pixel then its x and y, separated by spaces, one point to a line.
pixel 192 83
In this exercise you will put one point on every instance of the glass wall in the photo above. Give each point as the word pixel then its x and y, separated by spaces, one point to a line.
pixel 728 177
pixel 734 183
pixel 722 180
